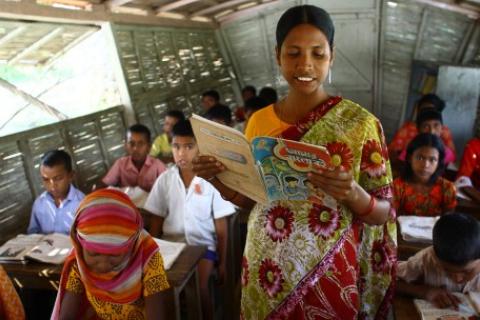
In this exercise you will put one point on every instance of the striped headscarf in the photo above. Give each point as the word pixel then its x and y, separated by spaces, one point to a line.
pixel 107 222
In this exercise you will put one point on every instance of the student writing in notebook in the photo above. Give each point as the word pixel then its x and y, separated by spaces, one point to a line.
pixel 452 264
pixel 54 210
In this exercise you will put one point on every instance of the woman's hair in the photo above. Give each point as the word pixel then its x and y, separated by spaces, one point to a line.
pixel 456 238
pixel 305 14
pixel 424 140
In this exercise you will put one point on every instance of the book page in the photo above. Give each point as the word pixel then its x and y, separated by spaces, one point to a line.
pixel 169 251
pixel 429 311
pixel 15 249
pixel 474 297
pixel 414 228
pixel 52 248
pixel 231 148
pixel 285 165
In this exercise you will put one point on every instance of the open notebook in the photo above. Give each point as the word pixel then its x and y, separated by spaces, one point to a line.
pixel 469 308
pixel 417 229
pixel 169 251
pixel 51 248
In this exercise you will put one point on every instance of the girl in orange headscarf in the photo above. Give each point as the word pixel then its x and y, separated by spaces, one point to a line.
pixel 11 307
pixel 115 270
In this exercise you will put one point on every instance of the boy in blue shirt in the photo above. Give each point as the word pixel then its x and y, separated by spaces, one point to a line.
pixel 54 210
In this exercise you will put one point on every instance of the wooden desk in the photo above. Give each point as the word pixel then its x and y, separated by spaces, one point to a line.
pixel 468 206
pixel 404 309
pixel 406 249
pixel 182 276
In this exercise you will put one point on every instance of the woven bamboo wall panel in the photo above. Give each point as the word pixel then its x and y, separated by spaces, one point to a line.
pixel 169 69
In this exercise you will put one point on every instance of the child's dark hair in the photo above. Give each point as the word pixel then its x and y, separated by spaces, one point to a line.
pixel 424 140
pixel 433 100
pixel 141 129
pixel 212 93
pixel 220 112
pixel 177 114
pixel 305 14
pixel 57 157
pixel 428 114
pixel 183 129
pixel 269 95
pixel 255 104
pixel 456 238
pixel 250 89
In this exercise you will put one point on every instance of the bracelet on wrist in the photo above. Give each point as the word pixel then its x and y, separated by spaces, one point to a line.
pixel 370 207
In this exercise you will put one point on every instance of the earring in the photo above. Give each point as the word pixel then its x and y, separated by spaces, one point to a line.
pixel 329 75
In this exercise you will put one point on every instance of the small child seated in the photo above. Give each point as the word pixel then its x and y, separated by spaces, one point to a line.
pixel 188 208
pixel 138 168
pixel 115 270
pixel 452 264
pixel 54 210
pixel 421 191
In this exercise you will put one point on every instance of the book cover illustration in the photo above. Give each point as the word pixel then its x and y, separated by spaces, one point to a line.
pixel 284 166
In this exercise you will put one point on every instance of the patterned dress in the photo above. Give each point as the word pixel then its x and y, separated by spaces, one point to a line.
pixel 470 164
pixel 306 261
pixel 439 199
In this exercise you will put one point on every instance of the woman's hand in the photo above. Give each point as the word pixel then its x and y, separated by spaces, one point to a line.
pixel 337 183
pixel 207 167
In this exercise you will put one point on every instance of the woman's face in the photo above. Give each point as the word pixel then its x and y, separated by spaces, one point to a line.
pixel 305 58
pixel 424 162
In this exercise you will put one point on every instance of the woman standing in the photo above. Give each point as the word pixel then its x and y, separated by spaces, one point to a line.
pixel 303 260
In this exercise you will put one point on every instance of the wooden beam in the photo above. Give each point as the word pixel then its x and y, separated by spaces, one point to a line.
pixel 421 28
pixel 249 11
pixel 99 15
pixel 69 46
pixel 37 44
pixel 174 5
pixel 469 12
pixel 32 100
pixel 117 3
pixel 218 7
pixel 12 34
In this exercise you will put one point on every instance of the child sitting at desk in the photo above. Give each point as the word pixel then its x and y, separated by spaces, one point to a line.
pixel 115 270
pixel 138 168
pixel 54 209
pixel 452 264
pixel 188 208
pixel 421 191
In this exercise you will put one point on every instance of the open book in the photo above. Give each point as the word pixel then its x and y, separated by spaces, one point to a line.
pixel 51 248
pixel 469 308
pixel 267 169
pixel 136 194
pixel 417 229
pixel 169 251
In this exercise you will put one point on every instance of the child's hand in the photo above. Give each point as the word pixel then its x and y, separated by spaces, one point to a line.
pixel 442 298
pixel 337 183
pixel 207 167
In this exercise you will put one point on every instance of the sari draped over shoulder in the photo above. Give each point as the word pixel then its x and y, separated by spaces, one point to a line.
pixel 303 260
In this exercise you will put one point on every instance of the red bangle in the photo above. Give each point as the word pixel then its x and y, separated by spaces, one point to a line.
pixel 369 209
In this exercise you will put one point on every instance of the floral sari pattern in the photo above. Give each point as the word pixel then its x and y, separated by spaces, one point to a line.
pixel 303 260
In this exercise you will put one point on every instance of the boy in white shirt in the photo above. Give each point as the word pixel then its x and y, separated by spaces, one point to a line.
pixel 188 208
pixel 452 264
